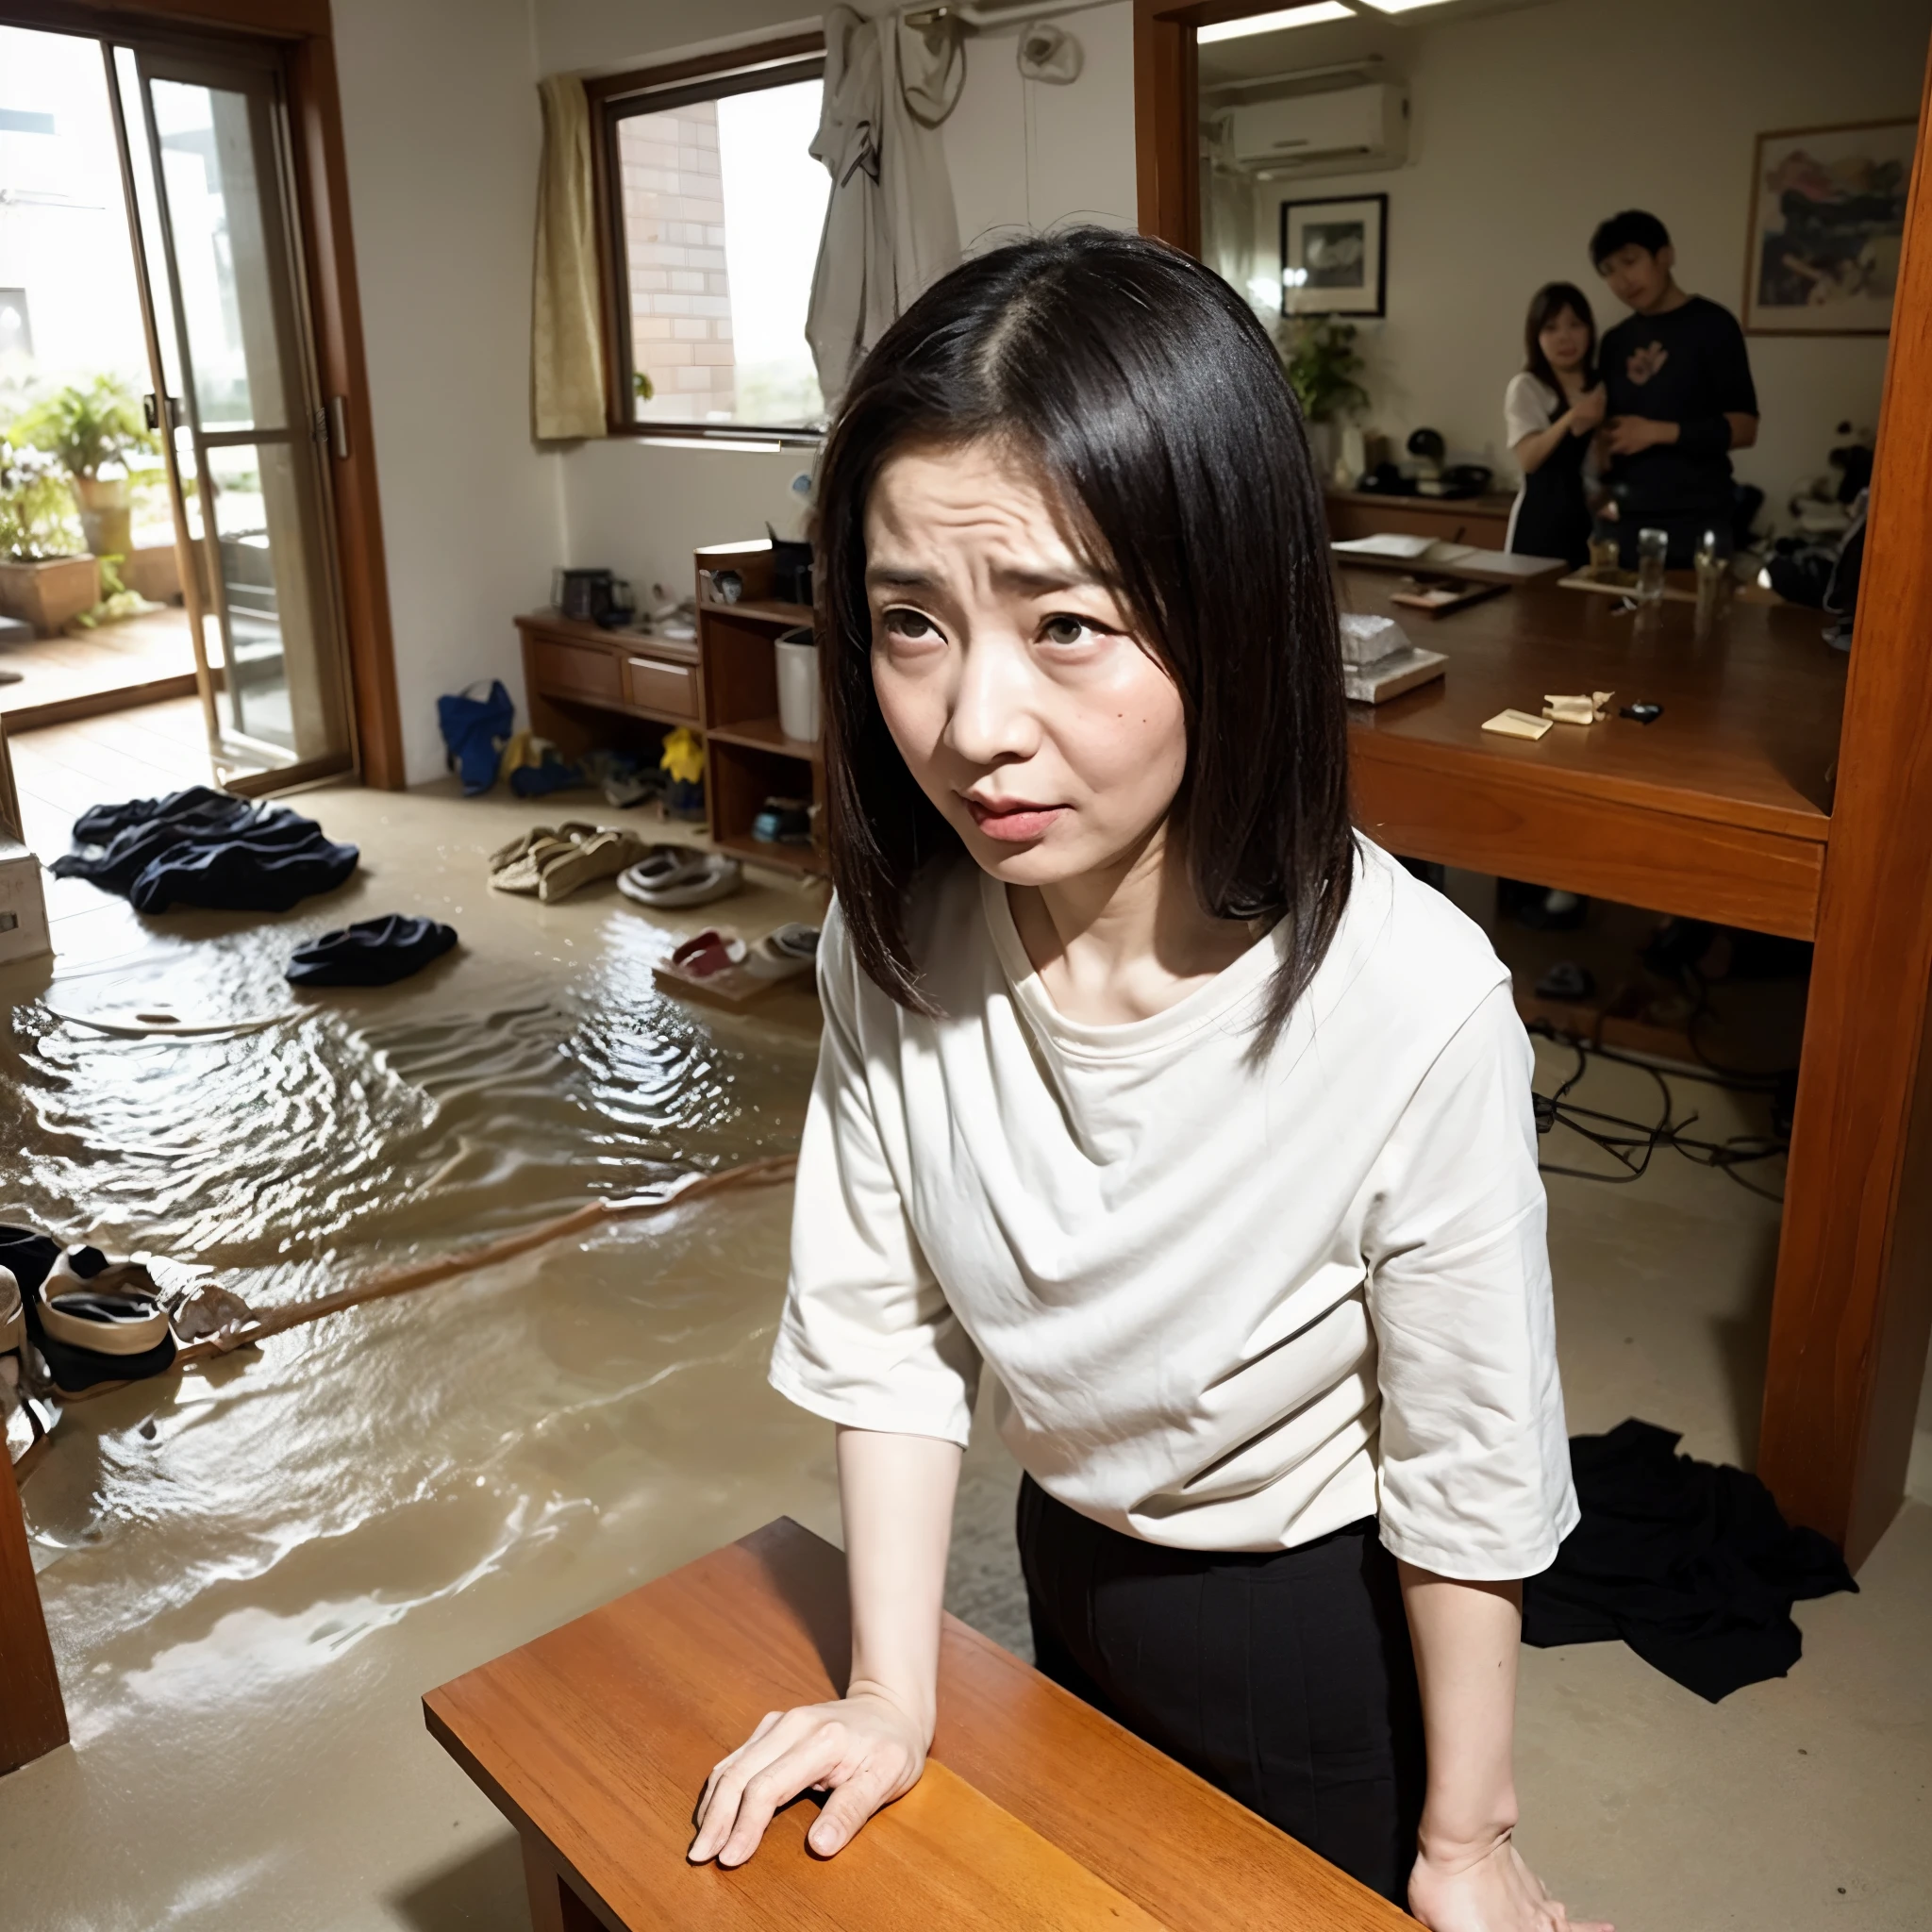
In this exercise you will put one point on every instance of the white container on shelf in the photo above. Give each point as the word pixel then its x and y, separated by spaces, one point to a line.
pixel 798 686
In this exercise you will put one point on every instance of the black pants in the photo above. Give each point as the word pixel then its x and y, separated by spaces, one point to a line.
pixel 1285 1677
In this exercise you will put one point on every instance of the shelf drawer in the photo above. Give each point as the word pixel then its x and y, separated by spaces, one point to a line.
pixel 577 670
pixel 672 689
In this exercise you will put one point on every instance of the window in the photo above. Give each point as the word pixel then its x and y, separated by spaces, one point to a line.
pixel 714 207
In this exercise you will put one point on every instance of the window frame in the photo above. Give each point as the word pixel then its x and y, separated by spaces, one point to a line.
pixel 614 99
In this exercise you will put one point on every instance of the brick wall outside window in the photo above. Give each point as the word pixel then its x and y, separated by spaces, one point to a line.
pixel 680 293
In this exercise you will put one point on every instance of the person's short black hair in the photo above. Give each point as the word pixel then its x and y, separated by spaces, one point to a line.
pixel 1151 404
pixel 1633 228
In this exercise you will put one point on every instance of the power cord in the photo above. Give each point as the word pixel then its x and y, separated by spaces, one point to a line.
pixel 1631 1144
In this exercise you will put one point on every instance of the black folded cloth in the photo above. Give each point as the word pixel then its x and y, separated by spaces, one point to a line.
pixel 373 952
pixel 30 1254
pixel 1688 1562
pixel 202 847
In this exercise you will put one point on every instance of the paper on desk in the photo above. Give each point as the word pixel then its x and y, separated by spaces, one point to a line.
pixel 1516 725
pixel 1406 549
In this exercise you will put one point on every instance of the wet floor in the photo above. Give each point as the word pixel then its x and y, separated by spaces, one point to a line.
pixel 252 1571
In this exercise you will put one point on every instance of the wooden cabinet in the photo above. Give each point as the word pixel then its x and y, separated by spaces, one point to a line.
pixel 588 688
pixel 1483 521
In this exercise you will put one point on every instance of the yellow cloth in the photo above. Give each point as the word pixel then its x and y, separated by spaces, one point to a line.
pixel 566 334
pixel 684 756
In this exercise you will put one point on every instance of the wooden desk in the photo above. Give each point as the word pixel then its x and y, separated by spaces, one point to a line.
pixel 1034 1812
pixel 1718 811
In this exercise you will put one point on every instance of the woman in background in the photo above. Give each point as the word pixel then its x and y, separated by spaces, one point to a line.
pixel 1550 411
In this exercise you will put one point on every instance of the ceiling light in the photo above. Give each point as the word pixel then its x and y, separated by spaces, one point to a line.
pixel 1400 6
pixel 1271 22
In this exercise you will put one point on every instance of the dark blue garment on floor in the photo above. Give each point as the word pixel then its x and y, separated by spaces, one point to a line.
pixel 1688 1562
pixel 373 952
pixel 207 848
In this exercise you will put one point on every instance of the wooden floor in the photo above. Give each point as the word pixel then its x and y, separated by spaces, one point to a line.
pixel 62 769
pixel 152 655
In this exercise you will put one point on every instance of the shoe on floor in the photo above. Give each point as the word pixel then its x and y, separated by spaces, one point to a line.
pixel 604 855
pixel 706 953
pixel 695 878
pixel 786 953
pixel 94 1322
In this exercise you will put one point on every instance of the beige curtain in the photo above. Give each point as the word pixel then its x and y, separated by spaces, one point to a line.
pixel 566 339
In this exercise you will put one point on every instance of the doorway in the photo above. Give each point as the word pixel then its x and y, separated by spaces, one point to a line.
pixel 231 436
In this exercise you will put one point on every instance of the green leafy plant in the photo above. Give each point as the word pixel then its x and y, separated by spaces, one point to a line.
pixel 89 429
pixel 1318 354
pixel 36 505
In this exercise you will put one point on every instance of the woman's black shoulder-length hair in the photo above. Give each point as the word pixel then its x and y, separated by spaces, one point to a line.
pixel 1544 307
pixel 1148 399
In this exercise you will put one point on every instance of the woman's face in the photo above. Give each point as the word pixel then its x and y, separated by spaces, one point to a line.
pixel 1565 339
pixel 1049 736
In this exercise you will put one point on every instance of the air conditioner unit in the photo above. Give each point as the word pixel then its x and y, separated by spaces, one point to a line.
pixel 1336 132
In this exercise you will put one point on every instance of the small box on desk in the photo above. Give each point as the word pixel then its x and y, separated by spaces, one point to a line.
pixel 23 903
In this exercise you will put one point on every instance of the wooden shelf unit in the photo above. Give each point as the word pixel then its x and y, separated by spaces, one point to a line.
pixel 748 756
pixel 588 688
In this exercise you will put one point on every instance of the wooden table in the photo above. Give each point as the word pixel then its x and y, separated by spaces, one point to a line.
pixel 1035 1811
pixel 1720 809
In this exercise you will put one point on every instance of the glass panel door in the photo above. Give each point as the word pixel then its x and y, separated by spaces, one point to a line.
pixel 239 403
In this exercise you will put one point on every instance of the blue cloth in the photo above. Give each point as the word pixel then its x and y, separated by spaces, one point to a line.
pixel 201 847
pixel 373 952
pixel 474 730
pixel 552 774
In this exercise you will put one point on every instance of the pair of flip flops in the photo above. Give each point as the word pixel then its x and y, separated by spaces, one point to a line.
pixel 781 955
pixel 669 877
pixel 552 864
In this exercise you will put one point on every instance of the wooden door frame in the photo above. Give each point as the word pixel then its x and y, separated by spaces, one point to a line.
pixel 327 247
pixel 1852 1311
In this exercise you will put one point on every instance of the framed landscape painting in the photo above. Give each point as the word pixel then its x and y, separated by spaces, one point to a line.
pixel 1334 255
pixel 1827 219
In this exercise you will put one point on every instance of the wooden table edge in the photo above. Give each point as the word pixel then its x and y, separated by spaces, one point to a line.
pixel 1496 765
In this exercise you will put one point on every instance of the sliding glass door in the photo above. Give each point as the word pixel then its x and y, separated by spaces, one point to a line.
pixel 236 404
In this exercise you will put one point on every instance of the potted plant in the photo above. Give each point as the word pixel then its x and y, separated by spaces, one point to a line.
pixel 42 581
pixel 92 431
pixel 1318 352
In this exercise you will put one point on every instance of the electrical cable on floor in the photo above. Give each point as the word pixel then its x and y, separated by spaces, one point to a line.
pixel 1630 1144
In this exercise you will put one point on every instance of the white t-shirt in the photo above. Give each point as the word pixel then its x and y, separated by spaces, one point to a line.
pixel 1529 406
pixel 1228 1305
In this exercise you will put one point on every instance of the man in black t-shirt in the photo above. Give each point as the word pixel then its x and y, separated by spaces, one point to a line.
pixel 1678 393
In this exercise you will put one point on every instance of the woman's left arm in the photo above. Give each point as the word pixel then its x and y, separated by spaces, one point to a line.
pixel 1469 1875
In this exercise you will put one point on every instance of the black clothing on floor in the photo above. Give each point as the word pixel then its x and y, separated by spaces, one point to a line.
pixel 1285 1677
pixel 1553 519
pixel 373 952
pixel 201 847
pixel 1688 1562
pixel 29 1255
pixel 1687 366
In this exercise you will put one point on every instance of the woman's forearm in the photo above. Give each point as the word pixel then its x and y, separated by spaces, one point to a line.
pixel 1466 1637
pixel 896 1493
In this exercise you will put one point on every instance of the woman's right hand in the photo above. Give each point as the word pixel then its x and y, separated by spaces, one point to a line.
pixel 866 1750
pixel 1586 411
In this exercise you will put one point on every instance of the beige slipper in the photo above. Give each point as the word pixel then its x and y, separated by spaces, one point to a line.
pixel 570 831
pixel 600 857
pixel 525 874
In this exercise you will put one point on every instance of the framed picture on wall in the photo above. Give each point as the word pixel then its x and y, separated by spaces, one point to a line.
pixel 1828 218
pixel 1334 254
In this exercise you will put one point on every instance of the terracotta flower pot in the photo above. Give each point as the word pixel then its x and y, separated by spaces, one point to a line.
pixel 107 506
pixel 47 595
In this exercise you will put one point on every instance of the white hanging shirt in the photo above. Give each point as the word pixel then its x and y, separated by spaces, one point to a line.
pixel 1229 1305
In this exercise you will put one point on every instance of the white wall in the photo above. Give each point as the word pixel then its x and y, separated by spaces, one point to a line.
pixel 1528 126
pixel 1022 157
pixel 440 123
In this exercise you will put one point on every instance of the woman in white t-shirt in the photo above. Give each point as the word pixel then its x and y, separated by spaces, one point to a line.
pixel 1149 1085
pixel 1551 409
